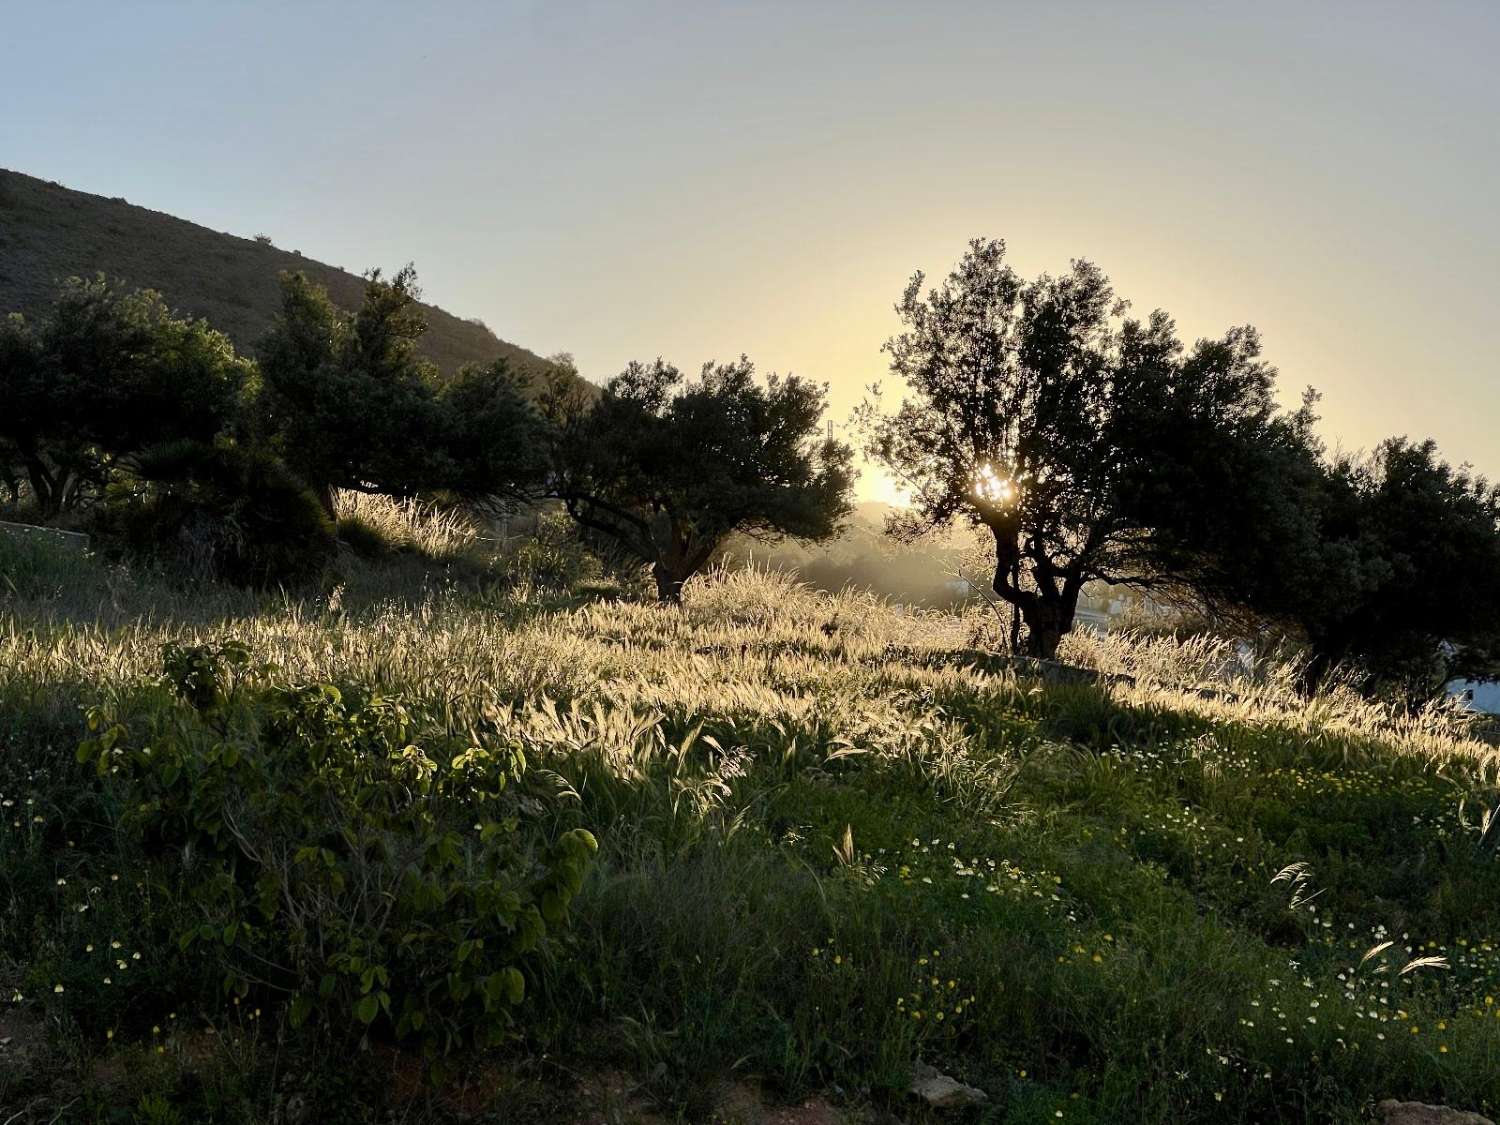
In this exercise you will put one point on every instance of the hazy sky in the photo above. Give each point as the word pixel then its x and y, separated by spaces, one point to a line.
pixel 696 180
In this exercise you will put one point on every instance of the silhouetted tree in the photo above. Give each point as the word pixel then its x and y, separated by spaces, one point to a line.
pixel 491 436
pixel 348 402
pixel 1386 564
pixel 1426 608
pixel 666 468
pixel 105 375
pixel 1038 411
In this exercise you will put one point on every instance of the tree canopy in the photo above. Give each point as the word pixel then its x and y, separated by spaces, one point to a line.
pixel 104 376
pixel 1039 411
pixel 348 402
pixel 665 468
pixel 1386 562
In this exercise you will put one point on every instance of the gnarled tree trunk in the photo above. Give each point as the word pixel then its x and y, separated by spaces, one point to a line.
pixel 668 584
pixel 1049 609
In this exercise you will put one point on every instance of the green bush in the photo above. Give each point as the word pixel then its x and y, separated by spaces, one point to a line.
pixel 368 881
pixel 225 513
pixel 553 557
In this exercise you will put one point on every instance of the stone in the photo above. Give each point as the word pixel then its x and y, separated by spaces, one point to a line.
pixel 943 1092
pixel 1417 1113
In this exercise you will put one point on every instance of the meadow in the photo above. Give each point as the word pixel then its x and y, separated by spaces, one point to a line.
pixel 834 840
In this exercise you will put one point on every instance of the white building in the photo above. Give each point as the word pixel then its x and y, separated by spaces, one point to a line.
pixel 1478 695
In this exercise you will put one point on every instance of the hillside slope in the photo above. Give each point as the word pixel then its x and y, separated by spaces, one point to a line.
pixel 49 232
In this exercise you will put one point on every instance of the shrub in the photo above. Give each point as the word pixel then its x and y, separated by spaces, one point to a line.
pixel 224 513
pixel 368 881
pixel 553 557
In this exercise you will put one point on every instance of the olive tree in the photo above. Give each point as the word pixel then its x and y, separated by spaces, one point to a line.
pixel 348 402
pixel 1039 411
pixel 104 375
pixel 665 468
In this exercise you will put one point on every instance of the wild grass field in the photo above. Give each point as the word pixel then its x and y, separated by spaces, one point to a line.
pixel 835 840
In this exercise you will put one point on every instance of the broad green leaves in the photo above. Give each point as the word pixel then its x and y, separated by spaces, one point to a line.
pixel 371 874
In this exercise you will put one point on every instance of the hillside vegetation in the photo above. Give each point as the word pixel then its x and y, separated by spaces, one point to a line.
pixel 834 842
pixel 49 232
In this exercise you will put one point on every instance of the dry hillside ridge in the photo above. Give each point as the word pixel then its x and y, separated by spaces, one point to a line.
pixel 49 232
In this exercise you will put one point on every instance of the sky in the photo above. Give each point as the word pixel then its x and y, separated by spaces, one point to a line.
pixel 696 180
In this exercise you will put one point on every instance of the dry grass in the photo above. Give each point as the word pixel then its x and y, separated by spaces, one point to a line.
pixel 781 777
pixel 409 525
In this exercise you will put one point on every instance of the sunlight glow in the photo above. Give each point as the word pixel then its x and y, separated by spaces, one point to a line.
pixel 992 487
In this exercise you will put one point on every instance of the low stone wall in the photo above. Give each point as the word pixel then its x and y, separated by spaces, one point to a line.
pixel 73 540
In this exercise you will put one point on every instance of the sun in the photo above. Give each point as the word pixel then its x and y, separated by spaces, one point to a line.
pixel 993 487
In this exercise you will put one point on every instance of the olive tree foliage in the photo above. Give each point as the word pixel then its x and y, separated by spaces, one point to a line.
pixel 664 468
pixel 1427 537
pixel 348 402
pixel 104 376
pixel 1039 411
pixel 1385 563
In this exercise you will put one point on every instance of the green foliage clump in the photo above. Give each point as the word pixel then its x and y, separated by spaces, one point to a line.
pixel 366 880
pixel 348 402
pixel 222 512
pixel 553 556
pixel 105 376
pixel 665 468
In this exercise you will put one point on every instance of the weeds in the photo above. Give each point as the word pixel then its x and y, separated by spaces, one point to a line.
pixel 826 853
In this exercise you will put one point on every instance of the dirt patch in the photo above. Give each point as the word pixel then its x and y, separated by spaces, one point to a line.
pixel 23 1037
pixel 741 1103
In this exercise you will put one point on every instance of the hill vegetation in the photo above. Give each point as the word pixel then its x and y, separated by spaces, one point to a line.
pixel 49 233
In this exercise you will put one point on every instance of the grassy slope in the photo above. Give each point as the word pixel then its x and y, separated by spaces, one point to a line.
pixel 49 232
pixel 828 853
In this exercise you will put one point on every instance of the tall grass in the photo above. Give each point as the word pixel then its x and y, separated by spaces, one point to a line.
pixel 406 525
pixel 816 811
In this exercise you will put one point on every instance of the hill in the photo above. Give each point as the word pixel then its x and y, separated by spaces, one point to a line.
pixel 49 232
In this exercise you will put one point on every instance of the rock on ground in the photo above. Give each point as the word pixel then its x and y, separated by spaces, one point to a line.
pixel 1416 1113
pixel 942 1092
